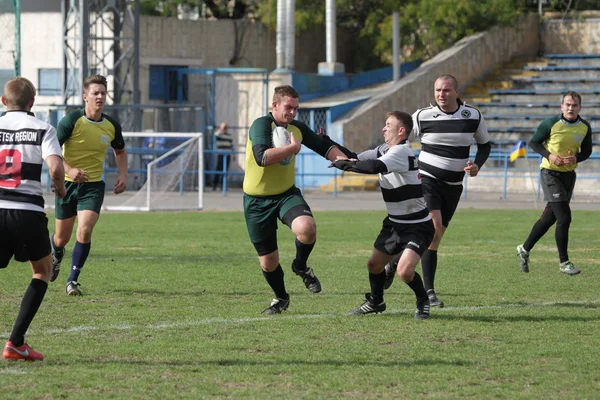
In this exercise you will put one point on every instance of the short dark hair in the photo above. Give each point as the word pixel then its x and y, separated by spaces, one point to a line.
pixel 98 79
pixel 572 94
pixel 283 91
pixel 448 77
pixel 404 118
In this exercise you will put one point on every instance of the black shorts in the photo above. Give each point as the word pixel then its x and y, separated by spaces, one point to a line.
pixel 24 234
pixel 441 196
pixel 558 186
pixel 394 237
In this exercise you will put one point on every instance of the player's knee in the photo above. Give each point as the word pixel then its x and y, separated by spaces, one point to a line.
pixel 564 220
pixel 61 239
pixel 42 269
pixel 269 263
pixel 306 230
pixel 374 267
pixel 84 234
pixel 406 273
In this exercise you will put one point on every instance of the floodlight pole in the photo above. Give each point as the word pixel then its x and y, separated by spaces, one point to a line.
pixel 17 7
pixel 102 37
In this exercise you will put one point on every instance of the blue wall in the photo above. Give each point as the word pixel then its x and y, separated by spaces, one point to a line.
pixel 311 86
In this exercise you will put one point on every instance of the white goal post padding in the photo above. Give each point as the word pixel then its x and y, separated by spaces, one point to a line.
pixel 165 173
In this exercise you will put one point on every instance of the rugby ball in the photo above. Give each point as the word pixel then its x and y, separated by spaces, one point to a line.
pixel 280 138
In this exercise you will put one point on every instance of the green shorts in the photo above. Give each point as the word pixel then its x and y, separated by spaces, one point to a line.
pixel 262 213
pixel 80 196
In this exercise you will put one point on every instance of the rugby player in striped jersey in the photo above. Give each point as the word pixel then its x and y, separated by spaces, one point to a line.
pixel 447 130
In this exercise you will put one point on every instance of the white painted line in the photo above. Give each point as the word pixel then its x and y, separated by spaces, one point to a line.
pixel 12 371
pixel 217 320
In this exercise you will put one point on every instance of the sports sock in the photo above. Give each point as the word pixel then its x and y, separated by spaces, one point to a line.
pixel 429 266
pixel 275 280
pixel 80 254
pixel 417 286
pixel 540 227
pixel 562 211
pixel 377 281
pixel 29 306
pixel 302 252
pixel 59 252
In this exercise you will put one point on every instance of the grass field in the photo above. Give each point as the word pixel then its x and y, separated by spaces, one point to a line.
pixel 172 309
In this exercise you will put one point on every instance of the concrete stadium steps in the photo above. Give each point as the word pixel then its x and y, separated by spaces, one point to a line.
pixel 529 121
pixel 573 59
pixel 556 72
pixel 537 96
pixel 519 95
pixel 548 109
pixel 352 181
pixel 552 83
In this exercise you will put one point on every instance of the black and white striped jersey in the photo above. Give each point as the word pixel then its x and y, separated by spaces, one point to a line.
pixel 401 185
pixel 25 142
pixel 446 140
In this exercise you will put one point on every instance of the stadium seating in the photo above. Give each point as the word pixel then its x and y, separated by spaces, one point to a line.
pixel 516 98
pixel 521 94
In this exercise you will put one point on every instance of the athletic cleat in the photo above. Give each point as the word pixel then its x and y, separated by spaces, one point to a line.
pixel 277 306
pixel 422 311
pixel 55 267
pixel 310 279
pixel 23 352
pixel 369 307
pixel 390 273
pixel 433 299
pixel 523 258
pixel 73 289
pixel 568 268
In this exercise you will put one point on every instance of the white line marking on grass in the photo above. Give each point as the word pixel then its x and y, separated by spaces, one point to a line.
pixel 218 320
pixel 13 371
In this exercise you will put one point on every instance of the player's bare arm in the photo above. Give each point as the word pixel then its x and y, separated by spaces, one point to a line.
pixel 121 160
pixel 275 155
pixel 57 173
pixel 78 175
pixel 471 169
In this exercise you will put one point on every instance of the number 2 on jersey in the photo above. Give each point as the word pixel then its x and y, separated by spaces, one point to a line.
pixel 10 168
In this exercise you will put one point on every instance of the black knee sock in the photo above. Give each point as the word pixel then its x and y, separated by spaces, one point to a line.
pixel 429 266
pixel 417 286
pixel 377 282
pixel 275 280
pixel 302 252
pixel 562 211
pixel 29 306
pixel 540 227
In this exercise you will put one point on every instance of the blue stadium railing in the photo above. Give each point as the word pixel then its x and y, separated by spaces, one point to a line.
pixel 497 166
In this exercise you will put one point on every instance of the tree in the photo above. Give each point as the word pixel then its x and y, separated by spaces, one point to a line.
pixel 220 9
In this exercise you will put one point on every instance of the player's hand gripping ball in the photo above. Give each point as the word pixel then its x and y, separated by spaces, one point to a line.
pixel 280 138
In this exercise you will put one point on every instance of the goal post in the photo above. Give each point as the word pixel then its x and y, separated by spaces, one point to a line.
pixel 165 173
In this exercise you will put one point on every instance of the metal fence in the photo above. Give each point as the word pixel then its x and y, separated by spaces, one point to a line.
pixel 503 176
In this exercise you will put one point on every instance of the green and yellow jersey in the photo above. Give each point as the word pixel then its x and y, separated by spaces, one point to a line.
pixel 85 142
pixel 276 178
pixel 559 136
